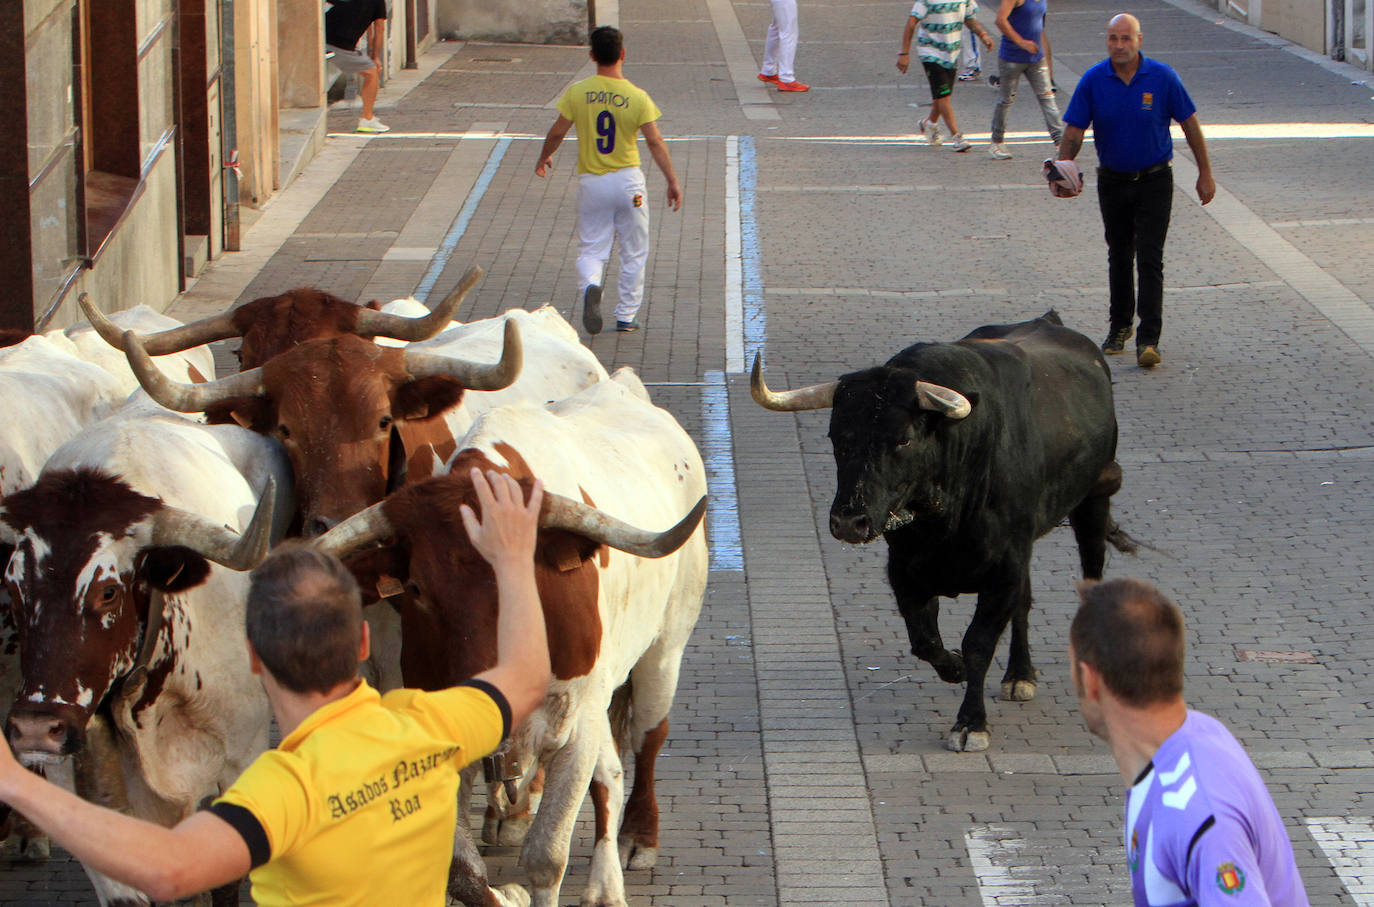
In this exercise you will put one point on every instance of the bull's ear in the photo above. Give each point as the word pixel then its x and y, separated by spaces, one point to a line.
pixel 420 398
pixel 380 572
pixel 173 568
pixel 253 413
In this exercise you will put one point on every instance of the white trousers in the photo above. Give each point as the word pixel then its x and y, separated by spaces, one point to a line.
pixel 613 206
pixel 780 50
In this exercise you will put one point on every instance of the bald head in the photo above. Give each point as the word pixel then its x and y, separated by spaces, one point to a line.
pixel 1123 42
pixel 1124 20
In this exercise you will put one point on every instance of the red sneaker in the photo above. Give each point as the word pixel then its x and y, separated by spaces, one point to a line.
pixel 767 78
pixel 793 86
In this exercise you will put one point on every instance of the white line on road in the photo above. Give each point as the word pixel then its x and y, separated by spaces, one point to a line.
pixel 1348 842
pixel 992 853
pixel 734 294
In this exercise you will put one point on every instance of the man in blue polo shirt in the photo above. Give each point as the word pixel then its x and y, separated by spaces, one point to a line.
pixel 1201 828
pixel 1129 101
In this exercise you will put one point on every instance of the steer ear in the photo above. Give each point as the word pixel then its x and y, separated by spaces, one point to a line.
pixel 173 568
pixel 252 413
pixel 420 398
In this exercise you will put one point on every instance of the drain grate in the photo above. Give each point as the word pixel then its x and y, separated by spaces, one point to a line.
pixel 1292 658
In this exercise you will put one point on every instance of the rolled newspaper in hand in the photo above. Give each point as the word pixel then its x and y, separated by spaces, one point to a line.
pixel 1065 180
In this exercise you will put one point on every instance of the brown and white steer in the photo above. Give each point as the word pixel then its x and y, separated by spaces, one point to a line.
pixel 129 606
pixel 356 418
pixel 612 616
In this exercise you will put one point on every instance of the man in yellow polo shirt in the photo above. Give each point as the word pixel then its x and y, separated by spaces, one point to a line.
pixel 610 112
pixel 357 805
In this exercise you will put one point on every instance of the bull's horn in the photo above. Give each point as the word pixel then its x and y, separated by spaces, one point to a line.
pixel 939 399
pixel 172 340
pixel 357 532
pixel 473 375
pixel 186 398
pixel 586 520
pixel 173 526
pixel 816 396
pixel 398 327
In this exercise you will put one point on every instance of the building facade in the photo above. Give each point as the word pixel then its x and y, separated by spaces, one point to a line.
pixel 143 128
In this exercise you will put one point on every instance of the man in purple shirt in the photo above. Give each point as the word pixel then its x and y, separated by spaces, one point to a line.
pixel 1201 828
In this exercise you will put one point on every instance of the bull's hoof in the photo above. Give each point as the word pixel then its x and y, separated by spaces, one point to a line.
pixel 1018 690
pixel 508 832
pixel 962 740
pixel 951 668
pixel 602 899
pixel 636 856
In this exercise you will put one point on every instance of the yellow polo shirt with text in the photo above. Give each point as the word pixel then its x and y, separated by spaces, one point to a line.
pixel 358 804
pixel 607 114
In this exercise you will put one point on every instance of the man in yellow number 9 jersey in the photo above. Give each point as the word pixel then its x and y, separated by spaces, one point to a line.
pixel 610 112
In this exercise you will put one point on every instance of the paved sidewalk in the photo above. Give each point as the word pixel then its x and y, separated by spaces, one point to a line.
pixel 804 764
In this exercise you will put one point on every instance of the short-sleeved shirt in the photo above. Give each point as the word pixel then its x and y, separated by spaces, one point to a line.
pixel 607 114
pixel 942 23
pixel 358 804
pixel 1028 20
pixel 1201 828
pixel 345 21
pixel 1130 122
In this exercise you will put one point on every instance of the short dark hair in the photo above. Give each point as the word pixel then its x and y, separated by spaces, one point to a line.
pixel 1133 636
pixel 606 43
pixel 304 618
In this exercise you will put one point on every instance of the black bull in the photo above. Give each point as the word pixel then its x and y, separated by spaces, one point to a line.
pixel 961 455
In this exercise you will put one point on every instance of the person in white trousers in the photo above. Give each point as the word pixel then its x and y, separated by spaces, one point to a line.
pixel 780 48
pixel 610 113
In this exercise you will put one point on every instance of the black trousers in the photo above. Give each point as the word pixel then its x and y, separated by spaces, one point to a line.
pixel 1135 215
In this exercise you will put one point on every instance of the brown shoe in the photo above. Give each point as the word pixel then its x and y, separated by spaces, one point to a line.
pixel 1148 357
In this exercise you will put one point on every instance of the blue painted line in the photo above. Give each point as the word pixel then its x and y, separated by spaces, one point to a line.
pixel 460 224
pixel 717 453
pixel 751 252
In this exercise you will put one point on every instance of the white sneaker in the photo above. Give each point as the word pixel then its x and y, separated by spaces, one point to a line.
pixel 959 143
pixel 373 125
pixel 931 130
pixel 998 152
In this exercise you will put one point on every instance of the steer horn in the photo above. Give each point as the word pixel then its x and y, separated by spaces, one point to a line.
pixel 399 327
pixel 942 400
pixel 816 396
pixel 173 526
pixel 472 375
pixel 599 526
pixel 172 340
pixel 372 525
pixel 187 398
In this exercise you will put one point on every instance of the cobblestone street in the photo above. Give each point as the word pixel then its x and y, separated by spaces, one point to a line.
pixel 805 762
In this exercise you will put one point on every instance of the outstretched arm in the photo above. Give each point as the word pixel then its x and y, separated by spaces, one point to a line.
pixel 505 537
pixel 1206 186
pixel 200 853
pixel 659 149
pixel 551 142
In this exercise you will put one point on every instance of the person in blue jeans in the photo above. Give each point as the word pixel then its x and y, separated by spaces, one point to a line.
pixel 1023 52
pixel 1129 101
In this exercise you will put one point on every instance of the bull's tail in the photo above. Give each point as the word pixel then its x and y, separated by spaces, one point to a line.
pixel 1119 539
pixel 619 715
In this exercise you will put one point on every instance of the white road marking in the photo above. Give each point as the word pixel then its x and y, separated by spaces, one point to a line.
pixel 1348 842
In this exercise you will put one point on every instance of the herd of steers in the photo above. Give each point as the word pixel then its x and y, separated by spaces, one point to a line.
pixel 138 490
